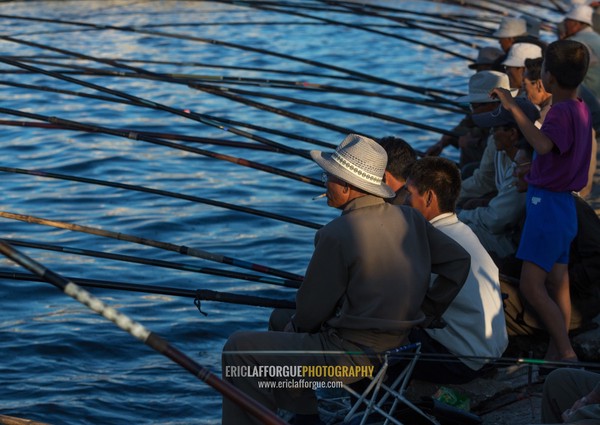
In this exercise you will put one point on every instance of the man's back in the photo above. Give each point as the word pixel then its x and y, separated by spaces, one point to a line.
pixel 475 324
pixel 375 262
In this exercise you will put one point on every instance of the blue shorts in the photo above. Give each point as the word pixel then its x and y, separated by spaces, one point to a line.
pixel 550 226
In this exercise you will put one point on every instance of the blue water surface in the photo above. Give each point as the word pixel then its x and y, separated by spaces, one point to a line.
pixel 62 363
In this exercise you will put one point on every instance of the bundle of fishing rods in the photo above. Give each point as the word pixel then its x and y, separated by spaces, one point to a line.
pixel 454 33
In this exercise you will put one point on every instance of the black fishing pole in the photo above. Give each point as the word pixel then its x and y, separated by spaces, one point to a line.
pixel 210 117
pixel 263 106
pixel 361 75
pixel 150 74
pixel 35 59
pixel 220 204
pixel 157 263
pixel 409 23
pixel 145 102
pixel 197 294
pixel 476 28
pixel 169 136
pixel 137 136
pixel 181 249
pixel 345 24
pixel 144 335
pixel 260 82
pixel 227 93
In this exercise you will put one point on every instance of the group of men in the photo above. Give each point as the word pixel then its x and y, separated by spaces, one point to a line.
pixel 403 264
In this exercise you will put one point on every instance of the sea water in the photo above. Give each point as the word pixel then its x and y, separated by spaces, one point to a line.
pixel 63 364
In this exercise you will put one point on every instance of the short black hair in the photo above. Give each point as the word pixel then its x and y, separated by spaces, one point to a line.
pixel 400 155
pixel 440 175
pixel 533 68
pixel 567 61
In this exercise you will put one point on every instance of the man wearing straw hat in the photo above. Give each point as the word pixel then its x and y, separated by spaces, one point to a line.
pixel 366 286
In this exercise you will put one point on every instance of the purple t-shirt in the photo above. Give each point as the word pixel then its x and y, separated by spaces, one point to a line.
pixel 565 168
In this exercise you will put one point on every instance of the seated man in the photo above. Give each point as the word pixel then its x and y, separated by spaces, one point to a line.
pixel 473 139
pixel 496 223
pixel 475 326
pixel 367 284
pixel 584 267
pixel 401 156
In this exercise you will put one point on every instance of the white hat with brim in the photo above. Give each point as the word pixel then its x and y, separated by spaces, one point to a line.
pixel 482 83
pixel 581 13
pixel 358 161
pixel 521 51
pixel 511 27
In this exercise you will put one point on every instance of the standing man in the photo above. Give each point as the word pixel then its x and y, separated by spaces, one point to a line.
pixel 475 326
pixel 366 286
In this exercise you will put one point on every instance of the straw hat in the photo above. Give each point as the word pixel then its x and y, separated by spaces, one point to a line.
pixel 501 116
pixel 359 161
pixel 482 83
pixel 521 51
pixel 486 56
pixel 581 13
pixel 511 27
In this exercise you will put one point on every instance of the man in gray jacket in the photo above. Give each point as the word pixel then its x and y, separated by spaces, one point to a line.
pixel 366 286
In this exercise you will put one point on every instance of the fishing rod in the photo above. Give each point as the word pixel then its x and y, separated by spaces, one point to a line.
pixel 221 120
pixel 227 93
pixel 186 79
pixel 361 75
pixel 409 23
pixel 197 294
pixel 168 77
pixel 144 335
pixel 349 25
pixel 220 204
pixel 477 28
pixel 181 249
pixel 171 136
pixel 148 103
pixel 416 15
pixel 199 65
pixel 263 106
pixel 75 125
pixel 157 263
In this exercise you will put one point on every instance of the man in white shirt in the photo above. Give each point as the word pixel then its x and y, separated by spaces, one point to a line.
pixel 475 326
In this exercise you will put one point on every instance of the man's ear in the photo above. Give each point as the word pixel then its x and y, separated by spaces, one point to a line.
pixel 429 197
pixel 539 85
